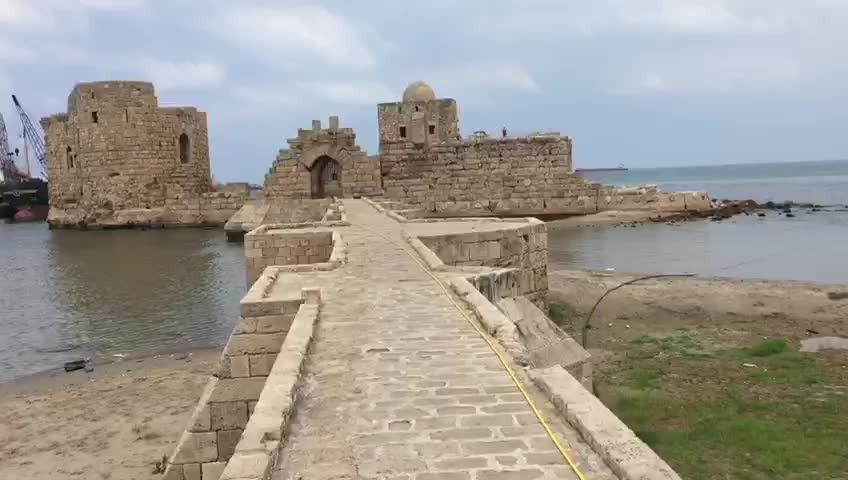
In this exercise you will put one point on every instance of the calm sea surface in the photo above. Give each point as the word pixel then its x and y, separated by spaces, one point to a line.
pixel 813 246
pixel 109 292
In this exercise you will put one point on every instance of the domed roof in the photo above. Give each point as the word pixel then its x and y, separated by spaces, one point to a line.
pixel 418 91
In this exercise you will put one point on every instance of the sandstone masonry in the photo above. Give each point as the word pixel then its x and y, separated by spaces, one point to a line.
pixel 362 365
pixel 117 158
pixel 427 166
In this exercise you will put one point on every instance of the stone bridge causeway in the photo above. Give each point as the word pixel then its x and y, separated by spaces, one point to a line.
pixel 358 365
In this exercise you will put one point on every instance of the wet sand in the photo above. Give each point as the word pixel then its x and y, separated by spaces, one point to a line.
pixel 607 218
pixel 113 423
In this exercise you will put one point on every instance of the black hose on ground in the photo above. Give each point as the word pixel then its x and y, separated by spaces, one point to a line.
pixel 587 325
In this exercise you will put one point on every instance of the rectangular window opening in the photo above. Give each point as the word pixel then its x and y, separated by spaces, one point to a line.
pixel 94 117
pixel 402 132
pixel 432 129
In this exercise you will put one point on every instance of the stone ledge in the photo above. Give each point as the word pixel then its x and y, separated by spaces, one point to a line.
pixel 240 421
pixel 256 452
pixel 291 249
pixel 621 449
pixel 374 204
pixel 495 322
pixel 432 260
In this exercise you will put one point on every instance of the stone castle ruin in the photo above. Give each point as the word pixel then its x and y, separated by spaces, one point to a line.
pixel 426 165
pixel 117 158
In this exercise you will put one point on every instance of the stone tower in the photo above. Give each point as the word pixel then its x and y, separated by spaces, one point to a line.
pixel 115 149
pixel 420 118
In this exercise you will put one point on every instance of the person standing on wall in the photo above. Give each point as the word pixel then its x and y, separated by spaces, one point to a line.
pixel 504 132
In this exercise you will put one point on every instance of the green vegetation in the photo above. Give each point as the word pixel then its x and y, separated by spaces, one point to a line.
pixel 558 313
pixel 680 345
pixel 758 412
pixel 566 318
pixel 768 348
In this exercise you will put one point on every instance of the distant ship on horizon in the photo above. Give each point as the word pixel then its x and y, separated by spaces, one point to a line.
pixel 619 168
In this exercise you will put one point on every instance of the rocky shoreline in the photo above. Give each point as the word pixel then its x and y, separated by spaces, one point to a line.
pixel 726 209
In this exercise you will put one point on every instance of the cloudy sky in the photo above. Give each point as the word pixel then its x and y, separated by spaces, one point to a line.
pixel 639 82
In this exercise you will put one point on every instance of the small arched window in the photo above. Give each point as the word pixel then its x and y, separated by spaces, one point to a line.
pixel 69 157
pixel 185 148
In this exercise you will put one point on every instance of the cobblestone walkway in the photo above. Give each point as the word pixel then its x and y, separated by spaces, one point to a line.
pixel 399 386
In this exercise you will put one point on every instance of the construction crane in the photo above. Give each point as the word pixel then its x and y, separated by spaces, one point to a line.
pixel 8 170
pixel 33 134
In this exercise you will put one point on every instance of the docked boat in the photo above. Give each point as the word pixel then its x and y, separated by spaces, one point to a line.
pixel 24 200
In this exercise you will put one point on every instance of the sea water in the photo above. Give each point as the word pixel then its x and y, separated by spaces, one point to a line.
pixel 811 246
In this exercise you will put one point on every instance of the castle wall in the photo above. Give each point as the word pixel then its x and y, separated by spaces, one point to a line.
pixel 506 176
pixel 509 176
pixel 116 150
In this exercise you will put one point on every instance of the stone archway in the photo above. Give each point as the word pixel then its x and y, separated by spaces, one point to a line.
pixel 326 178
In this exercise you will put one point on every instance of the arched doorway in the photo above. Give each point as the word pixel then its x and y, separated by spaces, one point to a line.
pixel 326 178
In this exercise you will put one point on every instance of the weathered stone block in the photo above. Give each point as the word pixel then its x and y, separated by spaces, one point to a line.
pixel 255 343
pixel 238 389
pixel 228 415
pixel 273 323
pixel 311 295
pixel 213 471
pixel 245 325
pixel 247 466
pixel 196 448
pixel 234 366
pixel 227 441
pixel 201 420
pixel 260 365
pixel 191 471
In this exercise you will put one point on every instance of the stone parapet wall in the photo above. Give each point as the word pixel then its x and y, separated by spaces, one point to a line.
pixel 520 250
pixel 233 398
pixel 262 211
pixel 275 245
pixel 624 452
pixel 258 449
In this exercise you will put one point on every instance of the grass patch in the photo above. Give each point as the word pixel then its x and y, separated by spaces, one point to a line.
pixel 644 339
pixel 566 318
pixel 677 345
pixel 644 378
pixel 768 348
pixel 558 313
pixel 710 417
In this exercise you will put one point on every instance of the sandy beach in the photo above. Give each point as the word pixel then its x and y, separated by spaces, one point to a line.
pixel 726 310
pixel 113 423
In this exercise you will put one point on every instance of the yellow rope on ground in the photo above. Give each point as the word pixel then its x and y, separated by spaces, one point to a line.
pixel 500 356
